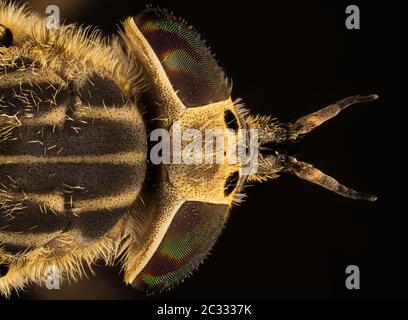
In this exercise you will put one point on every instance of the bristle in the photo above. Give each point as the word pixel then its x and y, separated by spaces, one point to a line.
pixel 241 109
pixel 269 129
pixel 268 169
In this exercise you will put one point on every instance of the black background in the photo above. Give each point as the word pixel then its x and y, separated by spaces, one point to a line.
pixel 292 239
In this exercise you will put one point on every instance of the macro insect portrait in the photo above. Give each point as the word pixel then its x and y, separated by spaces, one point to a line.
pixel 133 149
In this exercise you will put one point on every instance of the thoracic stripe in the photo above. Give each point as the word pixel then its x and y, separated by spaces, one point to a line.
pixel 72 153
pixel 128 158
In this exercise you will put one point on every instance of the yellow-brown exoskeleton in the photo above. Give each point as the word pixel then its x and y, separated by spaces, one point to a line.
pixel 77 183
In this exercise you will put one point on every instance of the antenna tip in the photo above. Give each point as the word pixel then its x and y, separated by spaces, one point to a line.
pixel 372 198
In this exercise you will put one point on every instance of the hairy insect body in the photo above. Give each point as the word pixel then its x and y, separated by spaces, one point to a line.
pixel 73 150
pixel 76 184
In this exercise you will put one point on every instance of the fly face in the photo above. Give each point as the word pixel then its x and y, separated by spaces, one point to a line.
pixel 209 168
pixel 78 182
pixel 194 94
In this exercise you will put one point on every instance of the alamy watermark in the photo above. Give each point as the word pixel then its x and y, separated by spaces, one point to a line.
pixel 53 21
pixel 53 278
pixel 353 278
pixel 353 20
pixel 210 146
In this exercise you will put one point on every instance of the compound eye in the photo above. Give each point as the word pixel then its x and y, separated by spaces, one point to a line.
pixel 231 120
pixel 4 269
pixel 6 36
pixel 188 63
pixel 188 240
pixel 231 183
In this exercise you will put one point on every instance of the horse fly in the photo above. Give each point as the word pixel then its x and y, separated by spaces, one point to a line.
pixel 77 182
